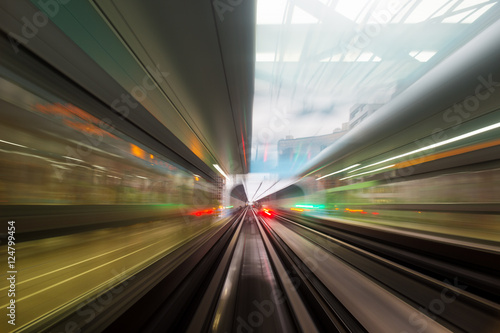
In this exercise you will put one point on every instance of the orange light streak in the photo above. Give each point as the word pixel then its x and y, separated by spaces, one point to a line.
pixel 449 153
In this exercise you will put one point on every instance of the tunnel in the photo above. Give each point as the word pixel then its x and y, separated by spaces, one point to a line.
pixel 250 166
pixel 238 192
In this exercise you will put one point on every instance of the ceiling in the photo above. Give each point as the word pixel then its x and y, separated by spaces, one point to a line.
pixel 317 59
pixel 184 68
pixel 206 97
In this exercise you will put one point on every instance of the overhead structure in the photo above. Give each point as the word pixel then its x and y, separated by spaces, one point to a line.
pixel 324 67
pixel 178 66
pixel 409 119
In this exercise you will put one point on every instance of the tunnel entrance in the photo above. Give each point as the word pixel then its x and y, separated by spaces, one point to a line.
pixel 239 193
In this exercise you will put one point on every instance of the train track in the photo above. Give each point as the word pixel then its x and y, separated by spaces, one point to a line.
pixel 260 274
pixel 450 299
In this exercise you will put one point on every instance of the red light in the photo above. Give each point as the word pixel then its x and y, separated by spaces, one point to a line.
pixel 375 213
pixel 244 151
pixel 267 212
pixel 203 212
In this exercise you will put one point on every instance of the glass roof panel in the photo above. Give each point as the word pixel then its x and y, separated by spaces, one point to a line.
pixel 323 66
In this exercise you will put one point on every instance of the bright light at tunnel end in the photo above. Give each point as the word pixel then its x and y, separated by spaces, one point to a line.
pixel 221 171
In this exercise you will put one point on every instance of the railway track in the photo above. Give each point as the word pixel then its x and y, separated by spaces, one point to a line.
pixel 449 300
pixel 278 274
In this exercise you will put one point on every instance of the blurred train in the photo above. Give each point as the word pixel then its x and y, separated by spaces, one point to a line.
pixel 462 203
pixel 56 153
pixel 440 175
pixel 58 157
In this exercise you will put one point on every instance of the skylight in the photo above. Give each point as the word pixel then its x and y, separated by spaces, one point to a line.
pixel 318 60
pixel 365 56
pixel 474 16
pixel 352 9
pixel 425 10
pixel 469 3
pixel 445 8
pixel 271 12
pixel 300 16
pixel 457 18
pixel 264 57
pixel 422 56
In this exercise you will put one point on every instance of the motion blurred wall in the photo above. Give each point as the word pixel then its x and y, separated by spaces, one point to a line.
pixel 53 152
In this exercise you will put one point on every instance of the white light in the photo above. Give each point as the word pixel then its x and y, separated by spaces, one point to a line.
pixel 422 56
pixel 333 58
pixel 336 57
pixel 12 143
pixel 264 57
pixel 300 16
pixel 333 173
pixel 352 9
pixel 60 167
pixel 457 18
pixel 221 171
pixel 474 16
pixel 444 9
pixel 469 3
pixel 351 56
pixel 424 10
pixel 72 158
pixel 271 12
pixel 291 57
pixel 371 171
pixel 438 144
pixel 365 56
pixel 94 148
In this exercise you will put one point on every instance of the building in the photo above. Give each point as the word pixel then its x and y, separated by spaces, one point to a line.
pixel 293 153
pixel 359 112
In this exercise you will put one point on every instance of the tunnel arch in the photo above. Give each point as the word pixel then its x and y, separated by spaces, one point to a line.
pixel 289 192
pixel 239 193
